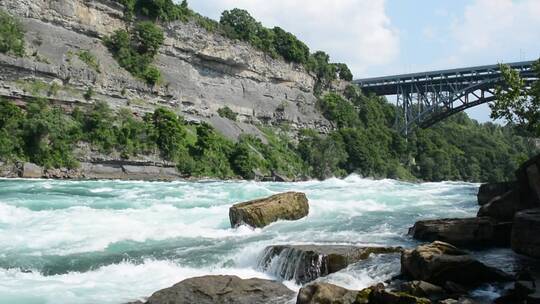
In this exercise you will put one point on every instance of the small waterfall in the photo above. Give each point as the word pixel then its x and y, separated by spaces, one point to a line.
pixel 289 263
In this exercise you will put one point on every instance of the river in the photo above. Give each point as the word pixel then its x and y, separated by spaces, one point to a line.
pixel 118 241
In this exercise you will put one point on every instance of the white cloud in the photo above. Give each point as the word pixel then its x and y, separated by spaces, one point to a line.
pixel 357 32
pixel 499 28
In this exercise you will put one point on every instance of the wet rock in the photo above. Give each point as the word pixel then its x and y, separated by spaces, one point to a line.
pixel 487 192
pixel 305 263
pixel 471 232
pixel 30 170
pixel 223 290
pixel 441 262
pixel 526 233
pixel 261 212
pixel 322 293
pixel 528 176
pixel 504 207
pixel 424 289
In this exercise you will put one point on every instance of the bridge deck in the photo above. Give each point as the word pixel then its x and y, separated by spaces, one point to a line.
pixel 441 80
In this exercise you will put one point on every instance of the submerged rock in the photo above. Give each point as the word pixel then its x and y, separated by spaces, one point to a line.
pixel 473 232
pixel 223 290
pixel 526 233
pixel 261 212
pixel 305 263
pixel 440 262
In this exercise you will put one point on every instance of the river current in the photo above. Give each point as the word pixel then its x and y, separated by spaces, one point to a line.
pixel 119 241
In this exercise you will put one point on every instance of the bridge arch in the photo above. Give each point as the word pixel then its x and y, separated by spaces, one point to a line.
pixel 423 99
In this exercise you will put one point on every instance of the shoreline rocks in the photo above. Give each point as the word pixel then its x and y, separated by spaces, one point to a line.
pixel 223 289
pixel 439 263
pixel 262 212
pixel 526 233
pixel 468 232
pixel 305 263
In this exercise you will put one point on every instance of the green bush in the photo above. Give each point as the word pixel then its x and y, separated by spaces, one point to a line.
pixel 226 112
pixel 89 58
pixel 136 51
pixel 288 46
pixel 339 110
pixel 11 35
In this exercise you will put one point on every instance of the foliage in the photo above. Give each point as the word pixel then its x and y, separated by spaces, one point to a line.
pixel 517 104
pixel 288 46
pixel 90 60
pixel 339 110
pixel 226 112
pixel 135 51
pixel 11 35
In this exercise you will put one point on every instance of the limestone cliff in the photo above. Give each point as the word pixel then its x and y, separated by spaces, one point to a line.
pixel 202 71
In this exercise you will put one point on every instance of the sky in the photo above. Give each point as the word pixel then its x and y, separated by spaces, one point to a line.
pixel 387 37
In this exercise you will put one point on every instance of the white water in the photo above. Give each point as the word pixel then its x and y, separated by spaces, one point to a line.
pixel 115 241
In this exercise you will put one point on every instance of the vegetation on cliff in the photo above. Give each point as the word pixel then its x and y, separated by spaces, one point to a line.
pixel 11 35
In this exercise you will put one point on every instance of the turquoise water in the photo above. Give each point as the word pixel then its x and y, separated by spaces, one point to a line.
pixel 118 241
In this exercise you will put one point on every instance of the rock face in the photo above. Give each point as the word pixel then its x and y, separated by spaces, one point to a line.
pixel 202 71
pixel 305 263
pixel 526 233
pixel 261 212
pixel 223 290
pixel 439 263
pixel 487 192
pixel 504 207
pixel 471 232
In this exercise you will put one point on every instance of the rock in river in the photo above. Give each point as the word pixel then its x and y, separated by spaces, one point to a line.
pixel 439 263
pixel 526 233
pixel 223 290
pixel 261 212
pixel 487 192
pixel 471 232
pixel 305 263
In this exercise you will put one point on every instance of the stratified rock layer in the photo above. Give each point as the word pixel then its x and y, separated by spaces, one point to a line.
pixel 305 263
pixel 261 212
pixel 471 232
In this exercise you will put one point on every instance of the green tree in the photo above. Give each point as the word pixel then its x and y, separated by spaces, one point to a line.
pixel 11 35
pixel 515 103
pixel 289 47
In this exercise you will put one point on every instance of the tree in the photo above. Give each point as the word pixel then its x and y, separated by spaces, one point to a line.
pixel 11 35
pixel 148 38
pixel 515 103
pixel 288 46
pixel 239 24
pixel 170 134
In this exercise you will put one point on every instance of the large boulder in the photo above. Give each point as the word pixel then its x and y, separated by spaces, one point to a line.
pixel 487 192
pixel 223 290
pixel 526 233
pixel 324 293
pixel 528 177
pixel 470 232
pixel 261 212
pixel 439 263
pixel 305 263
pixel 424 290
pixel 30 170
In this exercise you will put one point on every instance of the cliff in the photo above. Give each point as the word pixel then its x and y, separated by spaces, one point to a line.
pixel 202 71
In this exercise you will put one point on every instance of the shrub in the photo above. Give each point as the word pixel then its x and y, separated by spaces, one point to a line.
pixel 135 52
pixel 288 46
pixel 11 35
pixel 226 112
pixel 90 60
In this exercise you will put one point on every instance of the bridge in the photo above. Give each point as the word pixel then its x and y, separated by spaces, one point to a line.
pixel 423 99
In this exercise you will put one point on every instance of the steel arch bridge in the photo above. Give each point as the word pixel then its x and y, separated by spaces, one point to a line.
pixel 423 99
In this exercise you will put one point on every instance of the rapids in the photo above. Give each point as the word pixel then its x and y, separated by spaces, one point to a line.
pixel 119 241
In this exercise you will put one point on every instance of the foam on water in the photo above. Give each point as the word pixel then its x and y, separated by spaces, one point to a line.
pixel 113 241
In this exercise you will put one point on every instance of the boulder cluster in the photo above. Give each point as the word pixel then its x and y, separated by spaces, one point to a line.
pixel 435 272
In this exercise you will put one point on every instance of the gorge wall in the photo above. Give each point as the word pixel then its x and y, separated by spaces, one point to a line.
pixel 202 71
